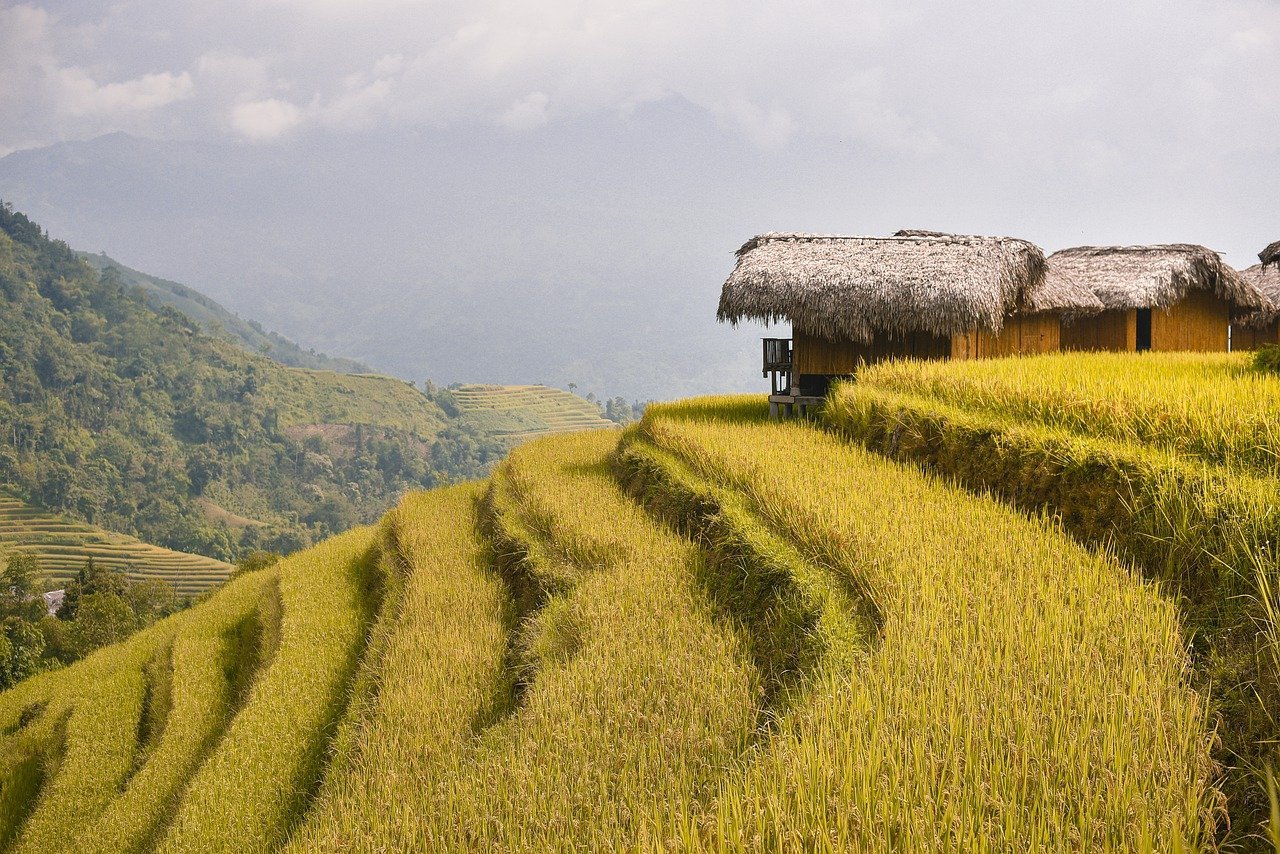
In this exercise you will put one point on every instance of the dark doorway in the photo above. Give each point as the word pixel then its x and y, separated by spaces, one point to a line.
pixel 1144 329
pixel 815 385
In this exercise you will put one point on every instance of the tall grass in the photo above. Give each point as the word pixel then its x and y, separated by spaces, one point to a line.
pixel 1025 694
pixel 257 782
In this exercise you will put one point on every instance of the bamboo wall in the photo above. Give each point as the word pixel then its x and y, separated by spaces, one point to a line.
pixel 1110 330
pixel 1021 335
pixel 1198 323
pixel 1246 338
pixel 812 354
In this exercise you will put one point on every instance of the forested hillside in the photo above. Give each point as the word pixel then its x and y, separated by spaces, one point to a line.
pixel 129 417
pixel 217 320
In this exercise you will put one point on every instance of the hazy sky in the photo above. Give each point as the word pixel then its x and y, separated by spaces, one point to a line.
pixel 549 180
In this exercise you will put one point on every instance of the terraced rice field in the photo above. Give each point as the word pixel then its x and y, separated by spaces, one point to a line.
pixel 1170 459
pixel 708 632
pixel 517 413
pixel 63 547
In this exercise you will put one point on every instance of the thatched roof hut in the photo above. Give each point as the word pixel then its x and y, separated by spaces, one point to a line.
pixel 1265 278
pixel 854 287
pixel 1270 255
pixel 1129 277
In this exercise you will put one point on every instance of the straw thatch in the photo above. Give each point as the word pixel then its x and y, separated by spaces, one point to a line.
pixel 1125 277
pixel 1265 278
pixel 1270 255
pixel 854 287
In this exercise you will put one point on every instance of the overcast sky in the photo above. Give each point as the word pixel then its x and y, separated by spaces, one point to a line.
pixel 636 144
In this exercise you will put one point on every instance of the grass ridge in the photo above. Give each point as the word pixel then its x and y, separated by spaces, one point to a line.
pixel 794 617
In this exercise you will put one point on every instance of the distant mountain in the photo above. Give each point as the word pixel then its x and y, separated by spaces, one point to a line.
pixel 217 320
pixel 424 257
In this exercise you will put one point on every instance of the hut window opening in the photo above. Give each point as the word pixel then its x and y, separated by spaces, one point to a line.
pixel 1144 330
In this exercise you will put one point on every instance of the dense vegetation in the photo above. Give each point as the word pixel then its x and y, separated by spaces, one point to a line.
pixel 709 632
pixel 133 419
pixel 100 607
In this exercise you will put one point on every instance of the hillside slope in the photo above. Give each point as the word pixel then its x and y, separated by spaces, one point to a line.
pixel 517 413
pixel 131 419
pixel 217 320
pixel 63 547
pixel 710 632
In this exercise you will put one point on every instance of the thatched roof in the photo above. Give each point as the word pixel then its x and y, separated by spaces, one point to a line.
pixel 1126 277
pixel 1270 255
pixel 853 287
pixel 1266 278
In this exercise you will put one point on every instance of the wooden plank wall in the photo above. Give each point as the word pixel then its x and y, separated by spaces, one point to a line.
pixel 1198 323
pixel 1023 335
pixel 1111 330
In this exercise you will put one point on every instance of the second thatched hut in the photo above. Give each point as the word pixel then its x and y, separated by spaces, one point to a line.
pixel 852 300
pixel 1254 329
pixel 1166 297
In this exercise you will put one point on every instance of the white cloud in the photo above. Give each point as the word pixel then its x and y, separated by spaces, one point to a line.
pixel 915 77
pixel 264 120
pixel 766 127
pixel 527 113
pixel 80 95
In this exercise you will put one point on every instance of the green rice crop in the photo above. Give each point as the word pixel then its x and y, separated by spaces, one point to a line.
pixel 1025 693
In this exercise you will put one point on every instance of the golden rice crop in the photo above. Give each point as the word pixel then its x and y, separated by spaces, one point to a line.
pixel 204 663
pixel 1212 405
pixel 72 740
pixel 1205 528
pixel 1025 692
pixel 258 779
pixel 97 756
pixel 439 670
pixel 635 699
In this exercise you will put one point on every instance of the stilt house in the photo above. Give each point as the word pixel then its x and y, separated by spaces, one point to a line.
pixel 852 300
pixel 1167 297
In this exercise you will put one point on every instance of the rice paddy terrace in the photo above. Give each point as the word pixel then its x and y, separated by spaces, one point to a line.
pixel 63 546
pixel 716 632
pixel 517 413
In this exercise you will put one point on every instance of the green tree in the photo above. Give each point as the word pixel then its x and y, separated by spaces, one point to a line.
pixel 150 599
pixel 102 619
pixel 18 587
pixel 256 560
pixel 59 645
pixel 91 579
pixel 21 646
